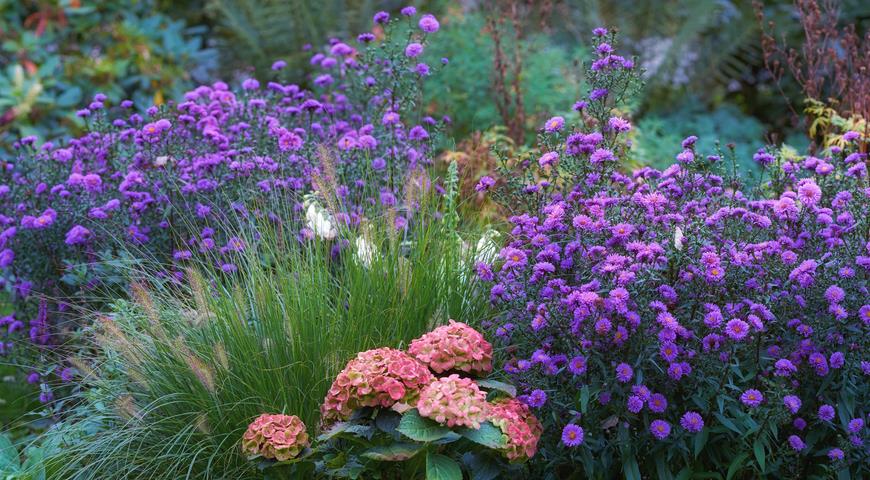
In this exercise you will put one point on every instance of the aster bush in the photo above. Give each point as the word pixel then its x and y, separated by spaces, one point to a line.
pixel 681 321
pixel 165 184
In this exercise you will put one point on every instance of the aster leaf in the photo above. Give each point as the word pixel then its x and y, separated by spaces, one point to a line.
pixel 736 465
pixel 8 455
pixel 758 449
pixel 487 435
pixel 421 429
pixel 440 467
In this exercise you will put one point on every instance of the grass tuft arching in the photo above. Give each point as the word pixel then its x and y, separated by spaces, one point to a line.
pixel 181 368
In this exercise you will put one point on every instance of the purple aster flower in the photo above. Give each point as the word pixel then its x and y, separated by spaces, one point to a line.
pixel 856 425
pixel 409 11
pixel 537 399
pixel 572 435
pixel 381 17
pixel 279 65
pixel 796 443
pixel 486 182
pixel 77 235
pixel 624 372
pixel 692 422
pixel 836 454
pixel 784 368
pixel 660 429
pixel 577 365
pixel 601 155
pixel 428 23
pixel 657 403
pixel 413 50
pixel 792 403
pixel 554 124
pixel 752 398
pixel 737 329
pixel 826 413
pixel 851 135
pixel 634 404
pixel 837 360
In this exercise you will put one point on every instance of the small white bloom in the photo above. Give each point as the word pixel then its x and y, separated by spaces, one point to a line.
pixel 487 249
pixel 365 251
pixel 318 219
pixel 678 238
pixel 161 161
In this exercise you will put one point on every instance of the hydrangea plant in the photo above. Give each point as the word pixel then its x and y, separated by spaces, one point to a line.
pixel 388 415
pixel 681 321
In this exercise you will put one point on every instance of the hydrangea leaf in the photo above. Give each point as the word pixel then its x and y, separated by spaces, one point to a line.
pixel 440 467
pixel 421 429
pixel 487 435
pixel 397 452
pixel 500 386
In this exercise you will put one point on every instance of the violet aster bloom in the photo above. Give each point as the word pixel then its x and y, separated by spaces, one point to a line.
pixel 856 425
pixel 851 135
pixel 428 23
pixel 77 235
pixel 381 17
pixel 657 403
pixel 486 182
pixel 572 435
pixel 792 403
pixel 554 124
pixel 279 65
pixel 692 422
pixel 409 11
pixel 537 399
pixel 796 443
pixel 826 413
pixel 737 329
pixel 660 429
pixel 634 404
pixel 752 398
pixel 624 372
pixel 577 365
pixel 836 454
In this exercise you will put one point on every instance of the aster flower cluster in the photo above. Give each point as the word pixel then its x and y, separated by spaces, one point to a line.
pixel 275 437
pixel 432 380
pixel 166 180
pixel 649 292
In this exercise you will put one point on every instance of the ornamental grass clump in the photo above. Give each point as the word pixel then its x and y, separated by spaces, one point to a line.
pixel 165 183
pixel 683 321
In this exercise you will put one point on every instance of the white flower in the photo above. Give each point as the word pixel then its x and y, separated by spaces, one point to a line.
pixel 365 251
pixel 678 238
pixel 318 219
pixel 161 161
pixel 487 248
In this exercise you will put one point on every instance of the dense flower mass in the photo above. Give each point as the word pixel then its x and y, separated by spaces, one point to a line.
pixel 455 346
pixel 644 290
pixel 278 437
pixel 521 429
pixel 375 378
pixel 166 182
pixel 454 401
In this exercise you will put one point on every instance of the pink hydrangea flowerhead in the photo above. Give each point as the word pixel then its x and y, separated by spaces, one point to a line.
pixel 454 401
pixel 375 378
pixel 520 427
pixel 454 346
pixel 276 437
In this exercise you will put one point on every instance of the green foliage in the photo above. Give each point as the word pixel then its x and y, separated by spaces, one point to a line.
pixel 56 55
pixel 184 368
pixel 255 33
pixel 658 136
pixel 464 89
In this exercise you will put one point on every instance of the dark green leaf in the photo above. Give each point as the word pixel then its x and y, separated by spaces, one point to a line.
pixel 500 386
pixel 8 456
pixel 396 452
pixel 439 467
pixel 736 465
pixel 421 429
pixel 758 449
pixel 631 469
pixel 487 435
pixel 700 441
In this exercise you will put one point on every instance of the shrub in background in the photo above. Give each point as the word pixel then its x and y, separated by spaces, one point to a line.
pixel 163 184
pixel 56 55
pixel 681 321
